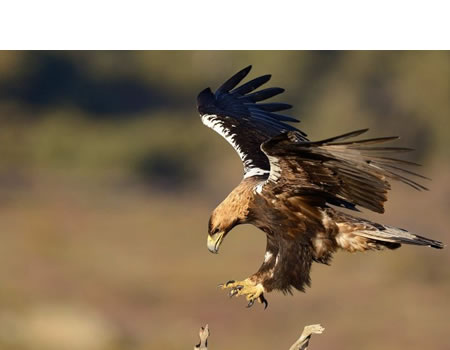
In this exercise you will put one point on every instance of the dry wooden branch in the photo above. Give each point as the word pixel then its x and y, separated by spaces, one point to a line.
pixel 301 343
pixel 203 334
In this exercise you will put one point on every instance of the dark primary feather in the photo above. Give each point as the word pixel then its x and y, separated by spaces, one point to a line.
pixel 245 123
pixel 337 170
pixel 261 95
pixel 251 85
pixel 273 107
pixel 233 81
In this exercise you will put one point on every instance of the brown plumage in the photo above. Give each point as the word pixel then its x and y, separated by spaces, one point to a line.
pixel 292 188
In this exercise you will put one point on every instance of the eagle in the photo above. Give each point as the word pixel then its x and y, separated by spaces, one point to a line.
pixel 293 189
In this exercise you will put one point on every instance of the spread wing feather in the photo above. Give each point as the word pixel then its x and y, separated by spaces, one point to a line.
pixel 348 173
pixel 272 107
pixel 251 85
pixel 233 112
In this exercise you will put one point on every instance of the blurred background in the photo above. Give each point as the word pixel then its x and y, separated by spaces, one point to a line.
pixel 108 178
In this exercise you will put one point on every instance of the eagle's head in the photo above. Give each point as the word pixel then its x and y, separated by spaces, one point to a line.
pixel 219 225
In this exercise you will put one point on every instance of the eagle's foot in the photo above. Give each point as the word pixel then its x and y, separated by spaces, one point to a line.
pixel 250 289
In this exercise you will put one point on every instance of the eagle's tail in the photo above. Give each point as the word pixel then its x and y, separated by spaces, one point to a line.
pixel 397 236
pixel 357 234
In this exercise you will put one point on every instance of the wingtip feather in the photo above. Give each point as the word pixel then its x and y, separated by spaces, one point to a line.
pixel 234 80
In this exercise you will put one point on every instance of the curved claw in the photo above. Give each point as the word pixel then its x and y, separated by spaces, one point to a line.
pixel 264 301
pixel 250 303
pixel 226 284
pixel 233 292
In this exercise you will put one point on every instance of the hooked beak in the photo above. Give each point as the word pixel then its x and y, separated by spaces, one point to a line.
pixel 215 241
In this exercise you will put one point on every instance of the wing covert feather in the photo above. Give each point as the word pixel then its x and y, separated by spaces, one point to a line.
pixel 233 113
pixel 348 172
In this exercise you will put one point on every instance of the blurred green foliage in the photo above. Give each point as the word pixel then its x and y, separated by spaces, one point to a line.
pixel 132 114
pixel 108 177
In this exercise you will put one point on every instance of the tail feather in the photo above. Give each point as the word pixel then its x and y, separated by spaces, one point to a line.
pixel 391 234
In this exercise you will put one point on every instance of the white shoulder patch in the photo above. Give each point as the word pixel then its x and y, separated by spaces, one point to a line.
pixel 214 122
pixel 255 172
pixel 258 188
pixel 275 169
pixel 274 174
pixel 267 256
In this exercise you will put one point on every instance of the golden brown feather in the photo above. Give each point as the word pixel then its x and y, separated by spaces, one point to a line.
pixel 292 186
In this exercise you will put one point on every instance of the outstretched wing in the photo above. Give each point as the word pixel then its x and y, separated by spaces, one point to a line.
pixel 234 113
pixel 332 171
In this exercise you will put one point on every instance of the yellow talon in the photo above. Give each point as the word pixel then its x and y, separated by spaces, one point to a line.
pixel 248 288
